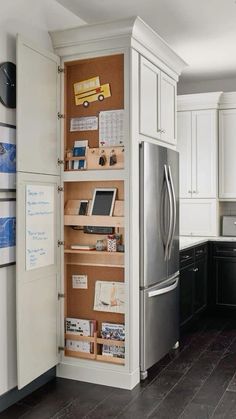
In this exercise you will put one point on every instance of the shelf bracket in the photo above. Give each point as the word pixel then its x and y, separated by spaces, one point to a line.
pixel 60 189
pixel 60 69
pixel 60 115
pixel 60 243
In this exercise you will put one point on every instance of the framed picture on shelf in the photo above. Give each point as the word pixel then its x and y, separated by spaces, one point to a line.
pixel 7 231
pixel 7 157
pixel 103 201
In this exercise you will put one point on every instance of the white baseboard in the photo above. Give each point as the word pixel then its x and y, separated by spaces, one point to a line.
pixel 105 377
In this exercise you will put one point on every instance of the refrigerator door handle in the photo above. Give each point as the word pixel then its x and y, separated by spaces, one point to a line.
pixel 171 212
pixel 164 290
pixel 174 212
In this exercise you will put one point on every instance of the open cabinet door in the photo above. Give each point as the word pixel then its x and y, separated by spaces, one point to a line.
pixel 38 216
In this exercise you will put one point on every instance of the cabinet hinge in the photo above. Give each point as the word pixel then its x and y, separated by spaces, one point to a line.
pixel 61 348
pixel 59 161
pixel 61 295
pixel 60 189
pixel 60 69
pixel 60 243
pixel 60 115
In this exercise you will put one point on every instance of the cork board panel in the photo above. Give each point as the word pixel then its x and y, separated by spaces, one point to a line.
pixel 80 302
pixel 84 190
pixel 110 69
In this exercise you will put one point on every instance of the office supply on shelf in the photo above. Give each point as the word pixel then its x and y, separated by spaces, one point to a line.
pixel 83 247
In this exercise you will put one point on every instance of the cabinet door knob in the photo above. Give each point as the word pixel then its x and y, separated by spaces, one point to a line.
pixel 195 269
pixel 189 191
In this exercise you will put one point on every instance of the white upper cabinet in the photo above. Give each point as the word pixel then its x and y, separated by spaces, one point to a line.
pixel 168 109
pixel 198 145
pixel 204 154
pixel 227 153
pixel 199 217
pixel 184 146
pixel 157 103
pixel 149 99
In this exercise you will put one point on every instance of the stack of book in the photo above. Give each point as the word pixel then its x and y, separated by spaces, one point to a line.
pixel 113 331
pixel 80 327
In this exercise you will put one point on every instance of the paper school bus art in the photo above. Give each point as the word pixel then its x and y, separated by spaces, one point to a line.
pixel 90 90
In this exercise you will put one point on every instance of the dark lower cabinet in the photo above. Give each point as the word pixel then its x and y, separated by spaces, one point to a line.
pixel 186 294
pixel 200 285
pixel 224 274
pixel 193 284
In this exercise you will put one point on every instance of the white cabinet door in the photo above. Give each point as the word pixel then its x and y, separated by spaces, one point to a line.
pixel 38 217
pixel 184 146
pixel 149 99
pixel 204 154
pixel 227 153
pixel 168 109
pixel 199 217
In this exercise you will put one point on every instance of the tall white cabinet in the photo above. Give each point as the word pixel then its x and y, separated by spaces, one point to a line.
pixel 227 147
pixel 157 103
pixel 143 72
pixel 198 147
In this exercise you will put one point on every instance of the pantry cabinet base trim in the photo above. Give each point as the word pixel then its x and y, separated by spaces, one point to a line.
pixel 103 376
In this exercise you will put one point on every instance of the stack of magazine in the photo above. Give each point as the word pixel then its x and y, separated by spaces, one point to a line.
pixel 114 332
pixel 80 327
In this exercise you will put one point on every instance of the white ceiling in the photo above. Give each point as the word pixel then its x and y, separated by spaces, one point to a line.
pixel 202 32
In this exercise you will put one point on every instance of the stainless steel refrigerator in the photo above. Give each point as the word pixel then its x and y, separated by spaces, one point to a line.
pixel 159 252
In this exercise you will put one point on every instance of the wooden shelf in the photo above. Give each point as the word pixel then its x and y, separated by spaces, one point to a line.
pixel 108 265
pixel 111 342
pixel 78 354
pixel 97 341
pixel 95 258
pixel 75 159
pixel 92 220
pixel 90 175
pixel 110 359
pixel 73 336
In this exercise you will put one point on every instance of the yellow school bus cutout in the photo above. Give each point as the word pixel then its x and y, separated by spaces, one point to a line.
pixel 90 90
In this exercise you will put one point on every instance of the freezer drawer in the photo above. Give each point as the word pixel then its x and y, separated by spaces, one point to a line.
pixel 159 321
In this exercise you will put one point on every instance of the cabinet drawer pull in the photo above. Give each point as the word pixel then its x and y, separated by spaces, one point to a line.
pixel 199 252
pixel 186 257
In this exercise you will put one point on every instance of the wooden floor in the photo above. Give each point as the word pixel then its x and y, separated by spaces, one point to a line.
pixel 196 382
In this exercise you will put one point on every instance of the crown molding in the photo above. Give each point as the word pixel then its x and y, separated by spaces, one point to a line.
pixel 199 101
pixel 228 100
pixel 134 30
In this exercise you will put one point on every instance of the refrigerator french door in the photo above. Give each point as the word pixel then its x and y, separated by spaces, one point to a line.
pixel 159 252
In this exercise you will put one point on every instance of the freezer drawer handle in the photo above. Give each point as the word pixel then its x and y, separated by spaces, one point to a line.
pixel 164 290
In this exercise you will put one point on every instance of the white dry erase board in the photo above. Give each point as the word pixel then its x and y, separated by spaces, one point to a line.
pixel 40 207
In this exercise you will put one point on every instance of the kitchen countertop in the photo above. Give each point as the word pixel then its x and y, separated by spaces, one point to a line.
pixel 186 241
